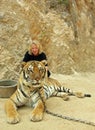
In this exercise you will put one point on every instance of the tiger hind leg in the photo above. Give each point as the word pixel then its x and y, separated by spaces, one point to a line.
pixel 63 95
pixel 11 112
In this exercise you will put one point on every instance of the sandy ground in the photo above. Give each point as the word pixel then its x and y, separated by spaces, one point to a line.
pixel 75 107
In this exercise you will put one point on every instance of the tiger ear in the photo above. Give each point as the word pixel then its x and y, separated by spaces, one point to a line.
pixel 23 64
pixel 44 62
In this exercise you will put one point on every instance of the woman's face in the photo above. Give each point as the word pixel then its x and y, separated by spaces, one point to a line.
pixel 35 50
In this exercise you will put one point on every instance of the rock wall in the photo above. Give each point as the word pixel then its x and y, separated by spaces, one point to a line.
pixel 65 30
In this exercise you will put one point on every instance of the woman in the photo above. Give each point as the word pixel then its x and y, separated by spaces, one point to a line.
pixel 35 53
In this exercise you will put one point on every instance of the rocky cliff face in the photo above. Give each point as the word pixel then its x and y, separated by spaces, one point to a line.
pixel 66 29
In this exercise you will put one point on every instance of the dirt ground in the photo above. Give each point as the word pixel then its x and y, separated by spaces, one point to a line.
pixel 76 107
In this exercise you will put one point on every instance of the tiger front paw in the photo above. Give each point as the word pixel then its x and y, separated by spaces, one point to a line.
pixel 36 116
pixel 13 119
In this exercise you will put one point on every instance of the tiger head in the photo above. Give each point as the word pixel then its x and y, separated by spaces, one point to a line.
pixel 33 73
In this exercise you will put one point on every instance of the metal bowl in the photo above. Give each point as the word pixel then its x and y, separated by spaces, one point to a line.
pixel 7 88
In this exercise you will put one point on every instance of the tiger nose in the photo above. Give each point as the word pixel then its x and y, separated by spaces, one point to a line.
pixel 37 78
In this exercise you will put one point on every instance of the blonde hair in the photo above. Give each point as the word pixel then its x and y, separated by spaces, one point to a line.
pixel 39 46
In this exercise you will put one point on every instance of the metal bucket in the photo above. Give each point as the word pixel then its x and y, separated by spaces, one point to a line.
pixel 7 88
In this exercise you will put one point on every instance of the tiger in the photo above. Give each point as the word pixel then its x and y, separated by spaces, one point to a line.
pixel 34 87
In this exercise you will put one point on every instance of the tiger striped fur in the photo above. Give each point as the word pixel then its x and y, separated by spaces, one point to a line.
pixel 35 87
